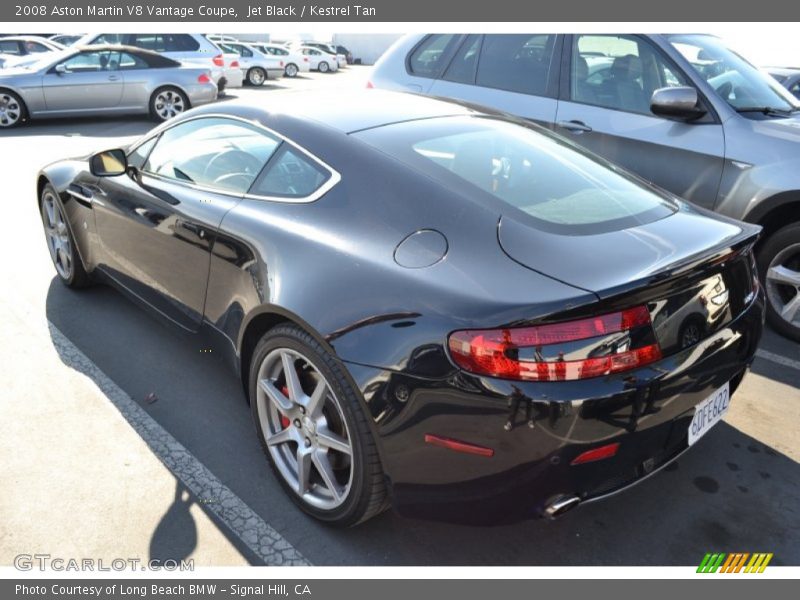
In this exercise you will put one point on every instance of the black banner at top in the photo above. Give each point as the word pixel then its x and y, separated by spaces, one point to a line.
pixel 256 11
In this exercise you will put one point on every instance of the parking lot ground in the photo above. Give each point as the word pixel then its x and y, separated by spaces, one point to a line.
pixel 93 467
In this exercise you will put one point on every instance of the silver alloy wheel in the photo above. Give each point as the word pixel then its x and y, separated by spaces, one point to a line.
pixel 10 110
pixel 783 284
pixel 55 228
pixel 257 76
pixel 323 67
pixel 304 427
pixel 291 70
pixel 168 104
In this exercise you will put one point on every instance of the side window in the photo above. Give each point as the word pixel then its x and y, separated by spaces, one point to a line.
pixel 795 89
pixel 138 157
pixel 89 62
pixel 290 175
pixel 243 51
pixel 517 63
pixel 9 47
pixel 128 62
pixel 108 38
pixel 462 67
pixel 215 152
pixel 182 43
pixel 427 59
pixel 619 72
pixel 35 47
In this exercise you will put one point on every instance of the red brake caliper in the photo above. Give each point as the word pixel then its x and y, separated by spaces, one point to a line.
pixel 284 419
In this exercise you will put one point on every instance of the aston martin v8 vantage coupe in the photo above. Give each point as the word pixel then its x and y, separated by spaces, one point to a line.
pixel 455 313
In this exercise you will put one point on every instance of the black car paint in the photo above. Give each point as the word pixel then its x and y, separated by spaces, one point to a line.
pixel 328 266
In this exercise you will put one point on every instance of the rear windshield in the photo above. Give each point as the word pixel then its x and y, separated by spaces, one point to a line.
pixel 563 190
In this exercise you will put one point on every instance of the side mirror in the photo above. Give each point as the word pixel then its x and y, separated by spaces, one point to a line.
pixel 109 163
pixel 61 68
pixel 678 103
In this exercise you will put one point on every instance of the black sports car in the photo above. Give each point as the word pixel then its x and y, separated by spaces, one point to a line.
pixel 452 312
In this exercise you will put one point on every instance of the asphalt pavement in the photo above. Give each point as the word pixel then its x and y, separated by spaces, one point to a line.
pixel 120 438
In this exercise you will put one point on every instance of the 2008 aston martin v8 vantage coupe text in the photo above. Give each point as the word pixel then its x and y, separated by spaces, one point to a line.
pixel 452 312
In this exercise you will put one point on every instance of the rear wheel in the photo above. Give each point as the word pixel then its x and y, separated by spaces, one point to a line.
pixel 12 109
pixel 291 70
pixel 779 267
pixel 323 67
pixel 313 430
pixel 60 243
pixel 256 76
pixel 168 102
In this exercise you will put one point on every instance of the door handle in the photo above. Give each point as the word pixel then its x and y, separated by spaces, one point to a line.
pixel 574 126
pixel 113 78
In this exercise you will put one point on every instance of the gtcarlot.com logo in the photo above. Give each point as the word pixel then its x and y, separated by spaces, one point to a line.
pixel 737 562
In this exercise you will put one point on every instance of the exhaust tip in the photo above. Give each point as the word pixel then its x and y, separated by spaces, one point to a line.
pixel 560 506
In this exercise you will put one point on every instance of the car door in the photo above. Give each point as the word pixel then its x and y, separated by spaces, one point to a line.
pixel 84 82
pixel 515 73
pixel 157 224
pixel 605 106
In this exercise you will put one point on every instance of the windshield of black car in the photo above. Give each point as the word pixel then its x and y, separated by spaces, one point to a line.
pixel 562 189
pixel 738 82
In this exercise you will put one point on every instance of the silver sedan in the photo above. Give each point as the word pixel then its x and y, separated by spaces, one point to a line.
pixel 96 80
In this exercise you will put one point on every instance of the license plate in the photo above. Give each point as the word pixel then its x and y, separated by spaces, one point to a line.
pixel 709 412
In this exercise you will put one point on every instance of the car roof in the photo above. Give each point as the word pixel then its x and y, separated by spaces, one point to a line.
pixel 783 70
pixel 347 111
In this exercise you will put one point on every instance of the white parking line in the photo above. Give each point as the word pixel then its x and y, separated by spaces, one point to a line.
pixel 240 519
pixel 779 359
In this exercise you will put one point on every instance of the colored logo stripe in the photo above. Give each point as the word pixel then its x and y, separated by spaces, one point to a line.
pixel 734 562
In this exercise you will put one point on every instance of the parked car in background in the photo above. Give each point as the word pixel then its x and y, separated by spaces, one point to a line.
pixel 17 48
pixel 294 61
pixel 318 60
pixel 102 79
pixel 448 311
pixel 788 78
pixel 346 53
pixel 67 39
pixel 187 48
pixel 330 49
pixel 682 111
pixel 256 66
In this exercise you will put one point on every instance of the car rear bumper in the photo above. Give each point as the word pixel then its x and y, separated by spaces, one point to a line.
pixel 536 429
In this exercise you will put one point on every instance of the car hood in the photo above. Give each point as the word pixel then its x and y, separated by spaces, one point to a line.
pixel 615 262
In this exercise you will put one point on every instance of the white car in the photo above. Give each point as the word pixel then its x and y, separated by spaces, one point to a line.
pixel 256 66
pixel 341 59
pixel 319 60
pixel 17 48
pixel 188 48
pixel 294 62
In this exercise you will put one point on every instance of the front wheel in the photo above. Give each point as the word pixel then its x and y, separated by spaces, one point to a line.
pixel 779 268
pixel 291 70
pixel 60 243
pixel 168 102
pixel 12 110
pixel 323 67
pixel 256 76
pixel 313 429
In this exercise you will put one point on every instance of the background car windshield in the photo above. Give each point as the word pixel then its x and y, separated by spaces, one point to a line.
pixel 738 82
pixel 562 189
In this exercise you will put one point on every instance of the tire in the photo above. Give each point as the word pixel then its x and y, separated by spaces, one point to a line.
pixel 168 102
pixel 305 427
pixel 12 110
pixel 323 67
pixel 256 76
pixel 779 270
pixel 60 242
pixel 290 70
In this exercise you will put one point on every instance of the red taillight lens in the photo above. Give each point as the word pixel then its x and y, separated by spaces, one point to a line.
pixel 305 59
pixel 369 85
pixel 281 63
pixel 218 60
pixel 554 353
pixel 596 454
pixel 235 64
pixel 203 78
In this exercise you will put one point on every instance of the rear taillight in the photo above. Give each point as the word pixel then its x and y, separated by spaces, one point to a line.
pixel 218 60
pixel 203 78
pixel 566 351
pixel 369 85
pixel 235 64
pixel 305 59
